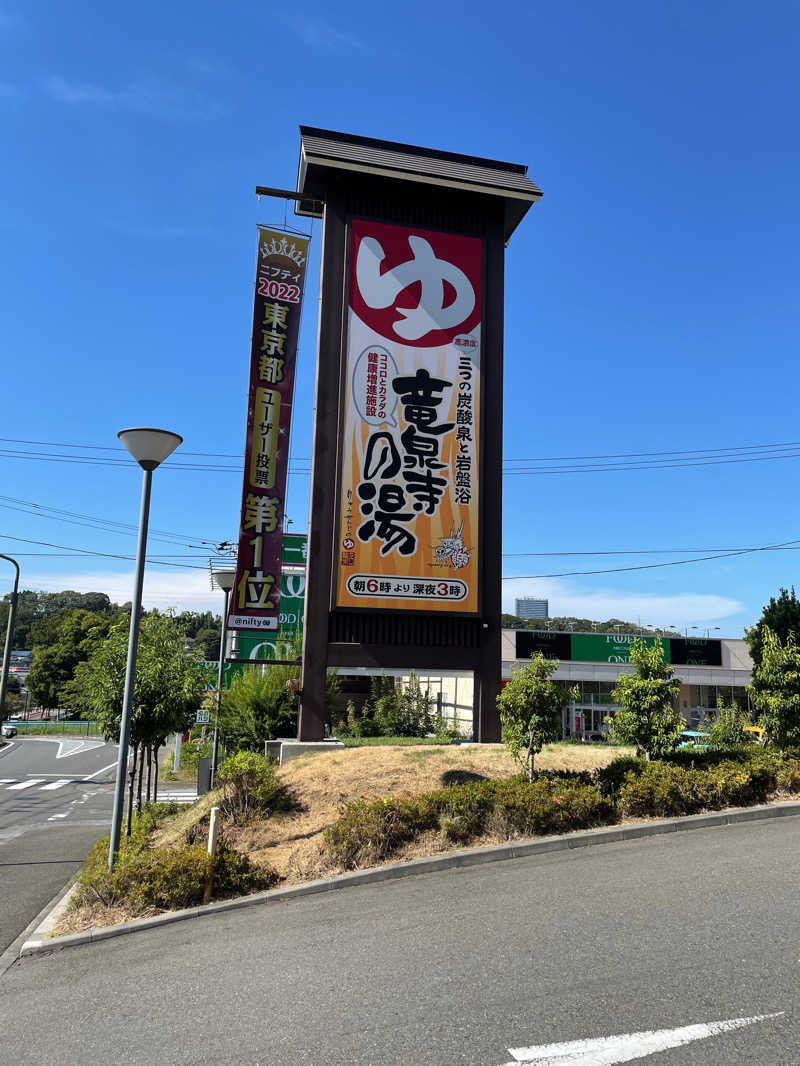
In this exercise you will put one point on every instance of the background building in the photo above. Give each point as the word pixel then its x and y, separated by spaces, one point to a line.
pixel 709 670
pixel 528 607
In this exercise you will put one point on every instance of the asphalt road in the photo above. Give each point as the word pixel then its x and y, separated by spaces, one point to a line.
pixel 453 968
pixel 55 802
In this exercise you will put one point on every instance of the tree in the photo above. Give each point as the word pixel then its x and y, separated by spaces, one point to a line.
pixel 649 717
pixel 781 616
pixel 167 691
pixel 33 606
pixel 775 690
pixel 258 707
pixel 726 730
pixel 530 709
pixel 60 643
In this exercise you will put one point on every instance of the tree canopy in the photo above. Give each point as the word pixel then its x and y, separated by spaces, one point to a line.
pixel 781 616
pixel 649 717
pixel 776 688
pixel 530 709
pixel 35 606
pixel 60 643
pixel 169 681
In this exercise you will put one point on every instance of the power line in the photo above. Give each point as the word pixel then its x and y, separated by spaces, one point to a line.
pixel 633 551
pixel 81 552
pixel 670 454
pixel 95 521
pixel 658 466
pixel 655 566
pixel 642 455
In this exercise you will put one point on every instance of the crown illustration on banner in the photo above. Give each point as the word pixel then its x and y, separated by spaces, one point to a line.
pixel 282 247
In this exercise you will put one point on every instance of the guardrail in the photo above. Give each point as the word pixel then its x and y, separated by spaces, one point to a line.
pixel 43 727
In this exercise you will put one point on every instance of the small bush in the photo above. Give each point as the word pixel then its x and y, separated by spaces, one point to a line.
pixel 147 879
pixel 367 833
pixel 788 775
pixel 610 778
pixel 250 786
pixel 663 789
pixel 550 806
pixel 658 790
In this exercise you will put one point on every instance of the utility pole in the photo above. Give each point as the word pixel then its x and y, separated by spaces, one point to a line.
pixel 12 610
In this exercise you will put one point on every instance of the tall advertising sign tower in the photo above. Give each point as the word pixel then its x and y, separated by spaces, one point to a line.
pixel 404 555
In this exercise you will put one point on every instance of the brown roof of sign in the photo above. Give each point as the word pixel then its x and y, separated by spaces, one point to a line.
pixel 322 149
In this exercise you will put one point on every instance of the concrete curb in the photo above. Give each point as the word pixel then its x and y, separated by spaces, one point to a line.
pixel 38 945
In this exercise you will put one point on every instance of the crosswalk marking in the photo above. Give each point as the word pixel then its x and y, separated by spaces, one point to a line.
pixel 25 784
pixel 6 780
pixel 55 784
pixel 176 797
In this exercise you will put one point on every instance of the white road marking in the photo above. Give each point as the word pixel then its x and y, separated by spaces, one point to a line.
pixel 56 784
pixel 25 784
pixel 55 817
pixel 69 747
pixel 98 772
pixel 7 780
pixel 609 1050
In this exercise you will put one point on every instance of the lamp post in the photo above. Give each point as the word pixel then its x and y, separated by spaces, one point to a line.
pixel 223 579
pixel 149 447
pixel 12 608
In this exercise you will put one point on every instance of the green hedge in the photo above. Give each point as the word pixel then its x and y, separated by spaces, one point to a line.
pixel 379 742
pixel 146 879
pixel 661 789
pixel 367 833
pixel 559 802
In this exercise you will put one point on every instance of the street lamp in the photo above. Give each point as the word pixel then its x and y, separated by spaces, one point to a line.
pixel 12 607
pixel 149 447
pixel 222 579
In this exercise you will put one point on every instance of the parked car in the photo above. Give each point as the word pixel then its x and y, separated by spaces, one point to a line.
pixel 756 734
pixel 692 739
pixel 9 730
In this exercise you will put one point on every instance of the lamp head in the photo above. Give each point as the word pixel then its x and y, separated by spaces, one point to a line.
pixel 225 579
pixel 149 447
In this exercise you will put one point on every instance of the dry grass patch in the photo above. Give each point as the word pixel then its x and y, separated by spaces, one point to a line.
pixel 290 842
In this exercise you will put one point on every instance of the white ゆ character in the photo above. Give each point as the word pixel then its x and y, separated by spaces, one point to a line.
pixel 380 290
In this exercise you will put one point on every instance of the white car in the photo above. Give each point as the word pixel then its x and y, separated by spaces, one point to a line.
pixel 9 730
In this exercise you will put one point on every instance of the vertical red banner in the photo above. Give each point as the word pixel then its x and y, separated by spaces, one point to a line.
pixel 280 278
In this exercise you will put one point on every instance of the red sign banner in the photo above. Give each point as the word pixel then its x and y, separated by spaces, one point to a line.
pixel 410 447
pixel 280 278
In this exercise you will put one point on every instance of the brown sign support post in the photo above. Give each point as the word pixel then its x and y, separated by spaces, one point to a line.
pixel 404 550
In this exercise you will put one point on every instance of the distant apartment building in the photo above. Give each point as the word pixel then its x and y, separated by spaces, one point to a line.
pixel 528 607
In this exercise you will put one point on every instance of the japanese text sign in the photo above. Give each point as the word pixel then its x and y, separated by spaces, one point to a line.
pixel 280 276
pixel 408 521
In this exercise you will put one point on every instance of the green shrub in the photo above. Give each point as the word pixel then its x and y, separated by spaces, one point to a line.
pixel 367 833
pixel 379 742
pixel 658 790
pixel 191 751
pixel 250 786
pixel 726 731
pixel 146 879
pixel 788 775
pixel 663 789
pixel 610 778
pixel 443 732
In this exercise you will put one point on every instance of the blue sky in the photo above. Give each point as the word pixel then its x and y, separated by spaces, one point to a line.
pixel 651 297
